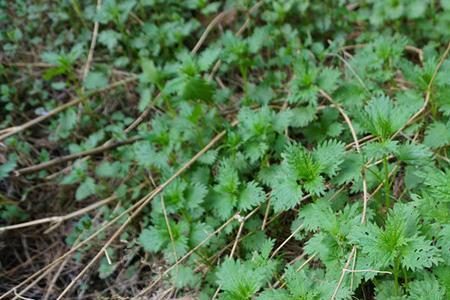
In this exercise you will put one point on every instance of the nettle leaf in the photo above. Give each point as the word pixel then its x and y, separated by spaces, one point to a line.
pixel 302 169
pixel 429 288
pixel 438 183
pixel 301 163
pixel 330 155
pixel 400 240
pixel 303 85
pixel 106 268
pixel 109 38
pixel 385 289
pixel 197 88
pixel 328 79
pixel 298 284
pixel 285 195
pixel 377 150
pixel 414 154
pixel 437 135
pixel 318 215
pixel 66 123
pixel 150 73
pixel 324 245
pixel 238 280
pixel 111 170
pixel 279 294
pixel 208 57
pixel 350 169
pixel 251 196
pixel 145 99
pixel 227 178
pixel 8 166
pixel 195 195
pixel 382 118
pixel 95 80
pixel 152 239
pixel 257 39
pixel 185 277
pixel 302 116
pixel 242 280
pixel 198 233
pixel 87 188
pixel 443 243
pixel 420 254
pixel 255 123
pixel 209 157
pixel 261 94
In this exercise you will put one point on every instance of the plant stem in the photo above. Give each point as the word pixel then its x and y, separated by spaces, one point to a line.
pixel 387 186
pixel 396 271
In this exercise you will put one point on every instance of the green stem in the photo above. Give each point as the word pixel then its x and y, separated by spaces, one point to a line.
pixel 396 271
pixel 387 186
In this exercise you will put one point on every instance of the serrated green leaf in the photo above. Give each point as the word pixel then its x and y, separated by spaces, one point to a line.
pixel 251 196
pixel 198 89
pixel 437 135
pixel 95 81
pixel 87 188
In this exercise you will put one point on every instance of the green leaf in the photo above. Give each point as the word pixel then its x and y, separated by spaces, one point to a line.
pixel 251 196
pixel 67 121
pixel 285 195
pixel 198 89
pixel 303 167
pixel 330 155
pixel 109 38
pixel 437 135
pixel 150 73
pixel 106 269
pixel 86 189
pixel 95 80
pixel 420 254
pixel 438 183
pixel 109 170
pixel 199 233
pixel 145 99
pixel 350 169
pixel 429 289
pixel 152 239
pixel 238 280
pixel 185 277
pixel 257 39
pixel 415 154
pixel 302 116
pixel 318 215
pixel 208 57
pixel 328 79
pixel 8 166
pixel 382 118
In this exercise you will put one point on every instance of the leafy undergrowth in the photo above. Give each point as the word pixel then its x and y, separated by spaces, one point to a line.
pixel 230 150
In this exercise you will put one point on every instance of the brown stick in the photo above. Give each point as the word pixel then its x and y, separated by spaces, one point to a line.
pixel 193 250
pixel 59 219
pixel 74 156
pixel 140 207
pixel 93 42
pixel 427 93
pixel 16 129
pixel 365 192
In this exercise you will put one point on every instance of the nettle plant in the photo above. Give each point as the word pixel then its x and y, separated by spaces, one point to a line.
pixel 329 177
